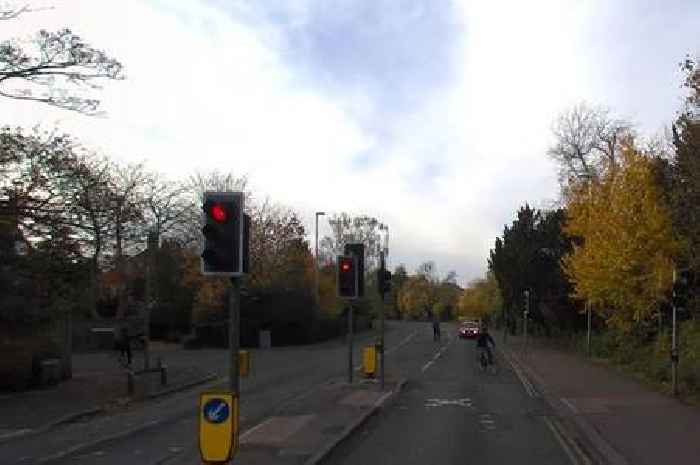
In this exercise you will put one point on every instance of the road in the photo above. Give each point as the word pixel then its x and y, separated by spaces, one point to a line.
pixel 165 432
pixel 448 411
pixel 452 413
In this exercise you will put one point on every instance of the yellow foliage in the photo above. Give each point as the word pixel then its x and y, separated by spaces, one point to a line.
pixel 625 261
pixel 480 298
pixel 416 297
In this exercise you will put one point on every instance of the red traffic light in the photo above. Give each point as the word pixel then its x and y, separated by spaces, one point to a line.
pixel 345 266
pixel 218 212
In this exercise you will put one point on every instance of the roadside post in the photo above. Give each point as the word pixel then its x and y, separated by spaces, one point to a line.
pixel 349 286
pixel 384 285
pixel 679 302
pixel 225 252
pixel 526 312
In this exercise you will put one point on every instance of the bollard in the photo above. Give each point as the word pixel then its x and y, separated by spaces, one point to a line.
pixel 244 363
pixel 369 361
pixel 130 382
pixel 163 374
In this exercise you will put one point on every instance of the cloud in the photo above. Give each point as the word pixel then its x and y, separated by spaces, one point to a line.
pixel 432 115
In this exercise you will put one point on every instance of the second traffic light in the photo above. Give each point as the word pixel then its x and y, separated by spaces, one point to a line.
pixel 681 288
pixel 346 276
pixel 357 250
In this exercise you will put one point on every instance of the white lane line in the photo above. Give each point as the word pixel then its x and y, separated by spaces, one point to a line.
pixel 254 429
pixel 435 357
pixel 565 445
pixel 570 405
pixel 529 388
pixel 402 343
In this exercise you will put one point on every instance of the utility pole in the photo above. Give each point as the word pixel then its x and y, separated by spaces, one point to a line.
pixel 674 345
pixel 589 317
pixel 234 332
pixel 382 267
pixel 350 341
pixel 318 298
pixel 525 315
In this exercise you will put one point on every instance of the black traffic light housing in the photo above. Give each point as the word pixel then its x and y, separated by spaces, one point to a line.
pixel 357 250
pixel 347 276
pixel 681 289
pixel 225 242
pixel 383 278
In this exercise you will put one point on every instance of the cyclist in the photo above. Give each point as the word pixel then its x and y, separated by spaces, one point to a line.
pixel 483 341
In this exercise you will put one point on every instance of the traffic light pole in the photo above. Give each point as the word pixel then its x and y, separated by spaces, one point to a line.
pixel 234 333
pixel 350 341
pixel 381 328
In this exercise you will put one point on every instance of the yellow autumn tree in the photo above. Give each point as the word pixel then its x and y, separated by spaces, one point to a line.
pixel 622 261
pixel 480 298
pixel 416 297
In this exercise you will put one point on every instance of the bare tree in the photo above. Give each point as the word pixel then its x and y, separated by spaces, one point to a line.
pixel 167 205
pixel 588 142
pixel 346 229
pixel 126 206
pixel 55 68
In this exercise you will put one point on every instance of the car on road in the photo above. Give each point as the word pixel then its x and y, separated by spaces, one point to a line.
pixel 468 331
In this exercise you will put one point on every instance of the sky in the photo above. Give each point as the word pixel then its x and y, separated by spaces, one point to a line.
pixel 432 115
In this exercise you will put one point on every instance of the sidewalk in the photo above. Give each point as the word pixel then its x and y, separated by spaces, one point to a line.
pixel 622 420
pixel 98 384
pixel 306 429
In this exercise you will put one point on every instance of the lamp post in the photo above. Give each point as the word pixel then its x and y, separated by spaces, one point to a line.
pixel 318 298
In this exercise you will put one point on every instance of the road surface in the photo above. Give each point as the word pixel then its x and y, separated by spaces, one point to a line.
pixel 452 413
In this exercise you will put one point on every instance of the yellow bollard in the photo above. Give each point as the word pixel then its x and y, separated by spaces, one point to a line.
pixel 369 361
pixel 243 363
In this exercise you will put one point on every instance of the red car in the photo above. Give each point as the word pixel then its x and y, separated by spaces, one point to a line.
pixel 468 331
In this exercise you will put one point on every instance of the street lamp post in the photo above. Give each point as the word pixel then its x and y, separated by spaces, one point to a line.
pixel 318 298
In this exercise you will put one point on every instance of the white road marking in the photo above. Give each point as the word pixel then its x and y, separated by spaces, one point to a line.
pixel 402 343
pixel 527 385
pixel 570 405
pixel 582 459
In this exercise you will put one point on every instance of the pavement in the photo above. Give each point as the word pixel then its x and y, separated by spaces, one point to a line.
pixel 98 385
pixel 617 420
pixel 164 430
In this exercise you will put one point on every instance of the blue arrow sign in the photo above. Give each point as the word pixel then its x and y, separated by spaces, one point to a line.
pixel 216 410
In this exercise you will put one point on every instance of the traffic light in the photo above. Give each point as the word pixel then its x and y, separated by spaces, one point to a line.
pixel 384 281
pixel 223 228
pixel 347 276
pixel 383 277
pixel 681 289
pixel 358 251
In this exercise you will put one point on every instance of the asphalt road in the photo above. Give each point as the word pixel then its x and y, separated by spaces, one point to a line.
pixel 452 413
pixel 165 431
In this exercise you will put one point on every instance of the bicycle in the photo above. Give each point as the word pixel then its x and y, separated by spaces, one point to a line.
pixel 483 362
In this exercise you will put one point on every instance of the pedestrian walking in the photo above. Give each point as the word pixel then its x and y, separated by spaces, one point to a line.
pixel 436 326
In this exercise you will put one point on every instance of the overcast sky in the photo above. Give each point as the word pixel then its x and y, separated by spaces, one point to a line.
pixel 434 116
